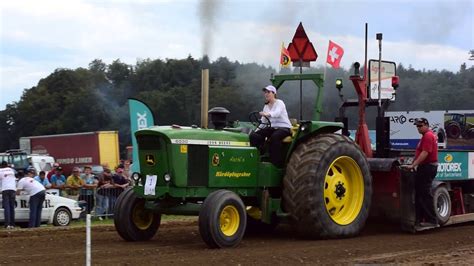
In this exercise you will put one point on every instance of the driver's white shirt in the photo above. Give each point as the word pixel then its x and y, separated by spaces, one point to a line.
pixel 278 114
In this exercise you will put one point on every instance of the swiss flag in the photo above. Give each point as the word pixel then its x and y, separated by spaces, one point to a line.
pixel 335 53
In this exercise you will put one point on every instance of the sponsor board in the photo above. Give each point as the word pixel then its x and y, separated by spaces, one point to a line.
pixel 388 70
pixel 453 165
pixel 471 165
pixel 454 128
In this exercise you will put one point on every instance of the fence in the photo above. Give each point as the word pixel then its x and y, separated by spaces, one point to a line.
pixel 100 203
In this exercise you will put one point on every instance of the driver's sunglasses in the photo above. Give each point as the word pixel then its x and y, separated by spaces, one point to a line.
pixel 419 125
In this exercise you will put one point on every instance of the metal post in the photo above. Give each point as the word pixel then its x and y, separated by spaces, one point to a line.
pixel 88 239
pixel 379 107
pixel 204 97
pixel 301 91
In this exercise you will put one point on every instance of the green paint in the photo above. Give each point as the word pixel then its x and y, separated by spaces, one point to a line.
pixel 200 161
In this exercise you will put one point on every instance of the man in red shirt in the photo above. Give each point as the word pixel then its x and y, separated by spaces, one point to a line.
pixel 426 165
pixel 53 171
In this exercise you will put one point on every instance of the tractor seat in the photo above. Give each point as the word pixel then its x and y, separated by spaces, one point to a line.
pixel 294 129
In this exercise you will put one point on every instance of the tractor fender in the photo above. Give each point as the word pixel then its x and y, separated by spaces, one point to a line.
pixel 382 164
pixel 312 130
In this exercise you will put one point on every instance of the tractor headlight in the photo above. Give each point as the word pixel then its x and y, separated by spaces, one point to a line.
pixel 167 177
pixel 136 177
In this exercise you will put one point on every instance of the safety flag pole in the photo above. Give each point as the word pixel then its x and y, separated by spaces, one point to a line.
pixel 325 67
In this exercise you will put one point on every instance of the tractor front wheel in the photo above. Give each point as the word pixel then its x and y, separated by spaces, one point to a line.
pixel 222 219
pixel 327 187
pixel 132 221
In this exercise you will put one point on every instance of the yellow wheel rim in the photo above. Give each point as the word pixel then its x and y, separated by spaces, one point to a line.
pixel 141 217
pixel 229 220
pixel 344 190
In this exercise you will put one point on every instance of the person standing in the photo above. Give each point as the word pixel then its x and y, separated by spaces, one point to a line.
pixel 426 165
pixel 120 184
pixel 104 192
pixel 58 180
pixel 37 194
pixel 43 180
pixel 8 187
pixel 275 111
pixel 87 190
pixel 53 171
pixel 74 183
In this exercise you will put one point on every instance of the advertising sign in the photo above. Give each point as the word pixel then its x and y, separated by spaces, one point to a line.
pixel 387 72
pixel 454 129
pixel 471 164
pixel 404 135
pixel 140 117
pixel 453 166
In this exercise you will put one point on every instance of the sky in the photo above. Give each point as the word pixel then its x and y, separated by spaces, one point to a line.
pixel 37 37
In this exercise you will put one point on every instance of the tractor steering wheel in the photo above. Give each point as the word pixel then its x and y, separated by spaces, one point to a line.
pixel 254 118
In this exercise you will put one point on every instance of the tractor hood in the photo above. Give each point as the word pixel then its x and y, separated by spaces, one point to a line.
pixel 197 136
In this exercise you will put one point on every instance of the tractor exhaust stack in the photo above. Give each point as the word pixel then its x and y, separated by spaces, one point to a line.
pixel 204 97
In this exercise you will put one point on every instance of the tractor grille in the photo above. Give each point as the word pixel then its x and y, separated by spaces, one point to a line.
pixel 146 142
pixel 198 165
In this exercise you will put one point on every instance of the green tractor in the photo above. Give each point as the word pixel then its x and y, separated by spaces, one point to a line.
pixel 324 190
pixel 457 125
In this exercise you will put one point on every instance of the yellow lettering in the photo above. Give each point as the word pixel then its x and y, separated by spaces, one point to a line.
pixel 232 174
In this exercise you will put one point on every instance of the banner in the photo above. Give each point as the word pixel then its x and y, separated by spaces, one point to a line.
pixel 453 166
pixel 140 117
pixel 285 59
pixel 335 53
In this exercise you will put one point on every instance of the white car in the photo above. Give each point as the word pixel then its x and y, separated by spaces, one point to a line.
pixel 57 210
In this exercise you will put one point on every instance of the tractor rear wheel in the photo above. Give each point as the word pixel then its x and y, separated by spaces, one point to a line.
pixel 132 221
pixel 327 187
pixel 222 219
pixel 469 133
pixel 453 130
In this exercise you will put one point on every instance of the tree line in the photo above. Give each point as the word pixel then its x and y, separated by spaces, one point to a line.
pixel 95 98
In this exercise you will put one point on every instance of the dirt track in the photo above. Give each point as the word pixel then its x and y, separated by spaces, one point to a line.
pixel 180 243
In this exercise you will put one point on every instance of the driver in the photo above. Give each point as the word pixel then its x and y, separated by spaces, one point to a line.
pixel 275 112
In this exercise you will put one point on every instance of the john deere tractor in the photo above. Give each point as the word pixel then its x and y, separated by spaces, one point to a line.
pixel 323 191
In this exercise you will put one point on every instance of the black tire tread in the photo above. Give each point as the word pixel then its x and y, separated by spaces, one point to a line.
pixel 302 194
pixel 123 219
pixel 208 219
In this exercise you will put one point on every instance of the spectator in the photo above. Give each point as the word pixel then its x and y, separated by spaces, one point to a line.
pixel 58 181
pixel 37 196
pixel 8 188
pixel 120 183
pixel 104 192
pixel 43 180
pixel 87 190
pixel 53 171
pixel 126 171
pixel 74 183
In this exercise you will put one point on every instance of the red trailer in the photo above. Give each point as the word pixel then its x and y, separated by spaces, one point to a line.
pixel 69 150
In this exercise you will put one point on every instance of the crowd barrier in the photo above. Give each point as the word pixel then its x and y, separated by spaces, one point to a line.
pixel 100 203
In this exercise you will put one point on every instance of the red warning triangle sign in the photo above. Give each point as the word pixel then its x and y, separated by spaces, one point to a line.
pixel 301 48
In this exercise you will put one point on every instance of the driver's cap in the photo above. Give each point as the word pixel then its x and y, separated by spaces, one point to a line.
pixel 270 88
